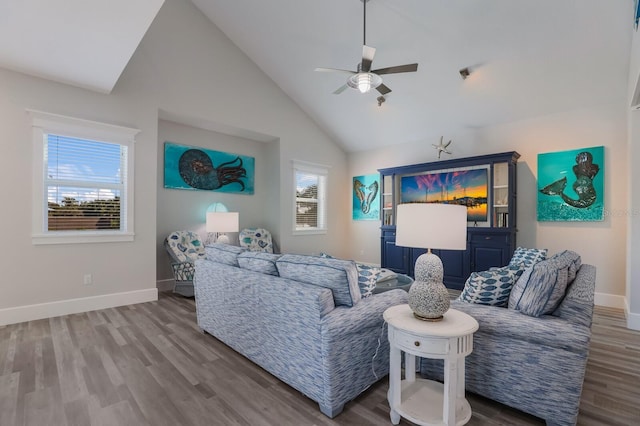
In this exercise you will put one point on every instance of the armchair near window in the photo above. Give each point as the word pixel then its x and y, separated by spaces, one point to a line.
pixel 185 248
pixel 256 239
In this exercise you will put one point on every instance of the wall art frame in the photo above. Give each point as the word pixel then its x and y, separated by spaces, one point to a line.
pixel 366 189
pixel 197 168
pixel 571 185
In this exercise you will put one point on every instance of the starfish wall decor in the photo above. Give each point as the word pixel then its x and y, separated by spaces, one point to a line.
pixel 442 147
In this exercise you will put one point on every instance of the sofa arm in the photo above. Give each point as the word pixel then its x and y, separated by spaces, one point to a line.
pixel 364 314
pixel 355 348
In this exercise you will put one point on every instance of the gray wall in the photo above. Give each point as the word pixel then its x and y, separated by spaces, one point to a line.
pixel 600 243
pixel 184 67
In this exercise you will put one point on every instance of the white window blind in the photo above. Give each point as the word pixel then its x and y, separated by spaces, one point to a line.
pixel 82 180
pixel 310 198
pixel 85 182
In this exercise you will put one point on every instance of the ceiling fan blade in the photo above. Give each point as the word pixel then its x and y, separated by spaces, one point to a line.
pixel 334 70
pixel 368 53
pixel 340 89
pixel 397 69
pixel 383 89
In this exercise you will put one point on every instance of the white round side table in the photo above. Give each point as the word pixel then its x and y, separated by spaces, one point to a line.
pixel 421 401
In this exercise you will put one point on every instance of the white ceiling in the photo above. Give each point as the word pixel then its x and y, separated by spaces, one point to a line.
pixel 85 43
pixel 528 58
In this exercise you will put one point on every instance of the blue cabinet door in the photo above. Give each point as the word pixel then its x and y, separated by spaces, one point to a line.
pixel 490 248
pixel 454 263
pixel 394 257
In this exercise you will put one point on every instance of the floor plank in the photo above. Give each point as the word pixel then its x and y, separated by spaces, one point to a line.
pixel 149 364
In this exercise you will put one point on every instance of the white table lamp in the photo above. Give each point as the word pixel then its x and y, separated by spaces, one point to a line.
pixel 221 222
pixel 430 226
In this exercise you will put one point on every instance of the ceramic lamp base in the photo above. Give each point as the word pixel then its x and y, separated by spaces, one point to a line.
pixel 421 318
pixel 429 268
pixel 429 300
pixel 222 239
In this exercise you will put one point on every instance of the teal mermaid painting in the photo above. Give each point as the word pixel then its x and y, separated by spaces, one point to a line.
pixel 584 199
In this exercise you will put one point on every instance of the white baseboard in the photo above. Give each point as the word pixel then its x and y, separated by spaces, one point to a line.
pixel 165 285
pixel 610 300
pixel 633 320
pixel 74 306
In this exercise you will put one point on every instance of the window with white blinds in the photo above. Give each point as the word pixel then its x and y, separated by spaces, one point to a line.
pixel 83 180
pixel 310 186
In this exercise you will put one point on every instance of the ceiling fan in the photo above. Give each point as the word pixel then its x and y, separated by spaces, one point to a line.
pixel 364 78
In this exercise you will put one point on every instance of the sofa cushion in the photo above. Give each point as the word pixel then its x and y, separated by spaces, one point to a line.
pixel 506 326
pixel 491 287
pixel 367 278
pixel 528 256
pixel 542 287
pixel 340 276
pixel 262 262
pixel 223 253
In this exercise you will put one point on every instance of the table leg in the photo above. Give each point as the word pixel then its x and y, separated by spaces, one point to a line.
pixel 394 383
pixel 409 367
pixel 450 392
pixel 461 380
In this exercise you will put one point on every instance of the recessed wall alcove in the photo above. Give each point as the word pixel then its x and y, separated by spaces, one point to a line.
pixel 179 209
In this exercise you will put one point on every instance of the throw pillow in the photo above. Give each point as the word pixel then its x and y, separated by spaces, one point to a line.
pixel 528 257
pixel 367 278
pixel 491 287
pixel 545 285
pixel 262 262
pixel 223 253
pixel 573 259
pixel 340 276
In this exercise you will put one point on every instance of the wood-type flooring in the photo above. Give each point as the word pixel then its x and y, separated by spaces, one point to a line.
pixel 149 364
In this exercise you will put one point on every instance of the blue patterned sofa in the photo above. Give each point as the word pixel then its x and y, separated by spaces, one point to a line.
pixel 535 364
pixel 301 318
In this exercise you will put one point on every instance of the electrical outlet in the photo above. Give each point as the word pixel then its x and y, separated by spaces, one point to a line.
pixel 88 279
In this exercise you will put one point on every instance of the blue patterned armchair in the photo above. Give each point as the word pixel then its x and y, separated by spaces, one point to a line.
pixel 184 248
pixel 256 239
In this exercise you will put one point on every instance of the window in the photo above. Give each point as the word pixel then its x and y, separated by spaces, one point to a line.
pixel 83 180
pixel 310 186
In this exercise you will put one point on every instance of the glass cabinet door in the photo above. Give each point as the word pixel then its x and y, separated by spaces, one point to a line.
pixel 500 200
pixel 387 200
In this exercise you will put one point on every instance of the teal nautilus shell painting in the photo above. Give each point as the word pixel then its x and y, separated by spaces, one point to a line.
pixel 196 168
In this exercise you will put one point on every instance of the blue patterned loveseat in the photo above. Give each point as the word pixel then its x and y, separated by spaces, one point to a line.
pixel 302 318
pixel 534 362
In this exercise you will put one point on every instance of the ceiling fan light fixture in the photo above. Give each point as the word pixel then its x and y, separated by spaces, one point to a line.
pixel 364 81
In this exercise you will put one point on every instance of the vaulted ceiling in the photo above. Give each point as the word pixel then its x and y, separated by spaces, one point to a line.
pixel 527 58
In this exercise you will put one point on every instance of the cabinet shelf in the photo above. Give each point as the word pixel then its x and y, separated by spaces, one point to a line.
pixel 490 242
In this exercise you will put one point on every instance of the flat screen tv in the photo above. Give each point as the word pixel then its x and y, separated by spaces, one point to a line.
pixel 466 187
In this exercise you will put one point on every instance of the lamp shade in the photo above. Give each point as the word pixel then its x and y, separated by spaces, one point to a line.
pixel 222 221
pixel 432 225
pixel 217 207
